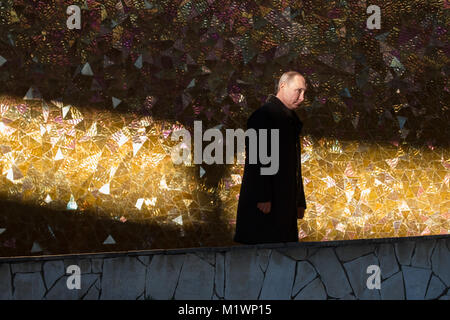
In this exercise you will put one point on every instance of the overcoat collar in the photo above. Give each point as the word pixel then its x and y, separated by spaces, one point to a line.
pixel 297 122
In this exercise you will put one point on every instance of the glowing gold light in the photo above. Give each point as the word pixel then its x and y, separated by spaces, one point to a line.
pixel 93 161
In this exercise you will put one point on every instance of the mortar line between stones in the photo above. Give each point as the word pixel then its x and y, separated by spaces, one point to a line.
pixel 13 275
pixel 87 291
pixel 428 285
pixel 43 280
pixel 295 278
pixel 178 278
pixel 366 254
pixel 264 274
pixel 145 279
pixel 203 259
pixel 307 284
pixel 345 272
pixel 214 281
pixel 224 274
pixel 443 282
pixel 137 258
pixel 267 266
pixel 12 280
pixel 403 282
pixel 431 255
pixel 396 259
pixel 53 285
pixel 412 255
pixel 100 284
pixel 444 293
pixel 287 256
pixel 318 276
pixel 431 268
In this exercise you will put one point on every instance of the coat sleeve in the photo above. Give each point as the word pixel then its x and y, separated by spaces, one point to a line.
pixel 264 183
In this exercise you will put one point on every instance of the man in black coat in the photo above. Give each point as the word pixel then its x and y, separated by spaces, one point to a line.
pixel 269 205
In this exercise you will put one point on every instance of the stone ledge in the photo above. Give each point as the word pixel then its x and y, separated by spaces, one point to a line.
pixel 320 244
pixel 309 270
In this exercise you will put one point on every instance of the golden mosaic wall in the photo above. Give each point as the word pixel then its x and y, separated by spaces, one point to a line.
pixel 86 119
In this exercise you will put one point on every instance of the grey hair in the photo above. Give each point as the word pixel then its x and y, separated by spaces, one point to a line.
pixel 287 77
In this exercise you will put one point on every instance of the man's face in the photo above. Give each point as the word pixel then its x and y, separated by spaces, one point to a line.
pixel 293 92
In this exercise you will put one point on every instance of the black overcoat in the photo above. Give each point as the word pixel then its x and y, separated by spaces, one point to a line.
pixel 284 189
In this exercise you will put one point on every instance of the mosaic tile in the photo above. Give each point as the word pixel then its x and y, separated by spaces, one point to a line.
pixel 86 119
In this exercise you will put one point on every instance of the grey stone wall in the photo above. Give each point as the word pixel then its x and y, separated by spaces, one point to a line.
pixel 410 268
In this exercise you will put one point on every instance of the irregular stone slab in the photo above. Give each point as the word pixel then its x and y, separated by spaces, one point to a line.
pixel 162 276
pixel 243 275
pixel 60 290
pixel 349 297
pixel 304 275
pixel 83 264
pixel 393 288
pixel 28 286
pixel 53 270
pixel 404 251
pixel 97 265
pixel 141 297
pixel 358 276
pixel 219 277
pixel 207 256
pixel 370 294
pixel 313 291
pixel 144 260
pixel 311 252
pixel 263 258
pixel 295 253
pixel 416 281
pixel 26 267
pixel 98 284
pixel 92 294
pixel 440 261
pixel 350 252
pixel 5 282
pixel 422 254
pixel 331 272
pixel 279 278
pixel 446 297
pixel 123 278
pixel 196 279
pixel 435 288
pixel 388 262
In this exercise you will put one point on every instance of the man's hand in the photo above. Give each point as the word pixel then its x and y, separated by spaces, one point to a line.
pixel 264 206
pixel 300 212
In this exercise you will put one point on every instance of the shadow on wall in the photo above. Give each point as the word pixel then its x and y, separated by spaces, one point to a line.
pixel 29 230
